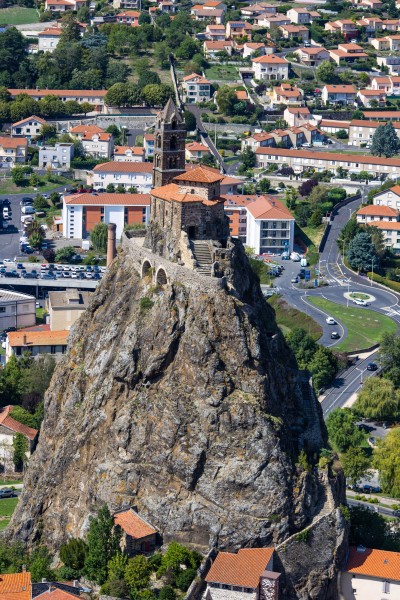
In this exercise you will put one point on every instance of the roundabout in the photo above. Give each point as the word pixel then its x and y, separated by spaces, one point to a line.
pixel 359 296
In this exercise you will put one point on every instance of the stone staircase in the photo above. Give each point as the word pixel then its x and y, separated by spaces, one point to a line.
pixel 202 255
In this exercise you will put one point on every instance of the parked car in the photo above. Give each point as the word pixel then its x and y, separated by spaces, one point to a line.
pixel 335 335
pixel 372 366
pixel 7 493
pixel 294 280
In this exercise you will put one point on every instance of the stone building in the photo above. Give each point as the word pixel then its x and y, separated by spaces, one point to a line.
pixel 169 145
pixel 138 536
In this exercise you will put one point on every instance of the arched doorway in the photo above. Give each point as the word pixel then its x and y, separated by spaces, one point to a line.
pixel 146 268
pixel 161 277
pixel 192 232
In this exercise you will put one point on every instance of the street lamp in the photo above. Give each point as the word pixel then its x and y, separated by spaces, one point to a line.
pixel 361 375
pixel 372 273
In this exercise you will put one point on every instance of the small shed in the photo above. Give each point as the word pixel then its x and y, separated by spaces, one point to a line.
pixel 139 537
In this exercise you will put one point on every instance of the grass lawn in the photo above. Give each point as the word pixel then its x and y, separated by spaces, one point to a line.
pixel 310 238
pixel 7 186
pixel 289 318
pixel 8 482
pixel 365 327
pixel 222 73
pixel 7 507
pixel 17 15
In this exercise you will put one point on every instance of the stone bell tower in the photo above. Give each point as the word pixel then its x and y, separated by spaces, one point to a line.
pixel 169 145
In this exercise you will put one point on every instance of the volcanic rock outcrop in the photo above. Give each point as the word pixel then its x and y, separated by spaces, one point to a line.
pixel 184 401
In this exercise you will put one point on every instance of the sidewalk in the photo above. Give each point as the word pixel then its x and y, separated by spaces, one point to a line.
pixel 382 499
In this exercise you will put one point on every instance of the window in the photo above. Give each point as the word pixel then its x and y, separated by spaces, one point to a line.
pixel 52 349
pixel 2 309
pixel 386 587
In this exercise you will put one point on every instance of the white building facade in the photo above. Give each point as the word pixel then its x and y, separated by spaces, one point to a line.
pixel 126 174
pixel 16 310
pixel 56 157
pixel 270 227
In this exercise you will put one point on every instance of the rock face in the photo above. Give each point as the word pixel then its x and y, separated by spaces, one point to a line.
pixel 185 402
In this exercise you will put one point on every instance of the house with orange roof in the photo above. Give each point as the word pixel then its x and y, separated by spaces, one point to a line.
pixel 9 427
pixel 235 210
pixel 213 48
pixel 297 116
pixel 270 67
pixel 389 197
pixel 362 131
pixel 253 10
pixel 79 131
pixel 94 97
pixel 295 32
pixel 344 26
pixel 16 586
pixel 29 127
pixel 348 54
pixel 247 574
pixel 212 15
pixel 312 57
pixel 287 94
pixel 301 16
pixel 129 17
pixel 49 38
pixel 215 33
pixel 377 212
pixel 129 154
pixel 98 145
pixel 122 173
pixel 249 48
pixel 194 151
pixel 196 88
pixel 13 150
pixel 370 574
pixel 36 343
pixel 81 212
pixel 139 537
pixel 269 226
pixel 367 96
pixel 238 29
pixel 258 140
pixel 338 93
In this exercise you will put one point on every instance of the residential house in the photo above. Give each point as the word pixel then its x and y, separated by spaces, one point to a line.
pixel 287 94
pixel 16 310
pixel 167 7
pixel 9 428
pixel 370 574
pixel 387 115
pixel 301 16
pixel 196 88
pixel 126 174
pixel 216 33
pixel 129 153
pixel 295 32
pixel 391 24
pixel 338 93
pixel 64 5
pixel 381 44
pixel 392 63
pixel 94 97
pixel 138 536
pixel 129 17
pixel 79 131
pixel 344 26
pixel 389 197
pixel 394 42
pixel 385 84
pixel 212 49
pixel 56 157
pixel 235 210
pixel 312 57
pixel 370 24
pixel 254 10
pixel 48 39
pixel 148 145
pixel 348 53
pixel 295 117
pixel 208 14
pixel 250 47
pixel 376 213
pixel 391 239
pixel 194 151
pixel 362 131
pixel 301 160
pixel 368 96
pixel 268 20
pixel 36 342
pixel 331 126
pixel 258 139
pixel 127 4
pixel 16 585
pixel 371 5
pixel 13 150
pixel 270 67
pixel 238 29
pixel 98 145
pixel 214 5
pixel 243 575
pixel 270 226
pixel 29 127
pixel 66 307
pixel 81 212
pixel 230 185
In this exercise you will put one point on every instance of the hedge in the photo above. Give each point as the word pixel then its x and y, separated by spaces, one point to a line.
pixel 393 285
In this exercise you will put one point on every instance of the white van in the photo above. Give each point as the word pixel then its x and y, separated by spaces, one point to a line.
pixel 28 210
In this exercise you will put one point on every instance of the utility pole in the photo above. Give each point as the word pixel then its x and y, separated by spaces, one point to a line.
pixel 372 274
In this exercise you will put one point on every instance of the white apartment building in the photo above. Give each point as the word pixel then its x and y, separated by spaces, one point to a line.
pixel 376 213
pixel 129 154
pixel 362 131
pixel 389 85
pixel 16 310
pixel 49 38
pixel 391 62
pixel 29 127
pixel 270 226
pixel 94 97
pixel 389 197
pixel 127 174
pixel 81 212
pixel 270 67
pixel 98 145
pixel 56 157
pixel 345 94
pixel 301 160
pixel 196 88
pixel 371 574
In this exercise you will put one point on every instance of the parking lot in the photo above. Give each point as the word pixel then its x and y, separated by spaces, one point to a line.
pixel 24 270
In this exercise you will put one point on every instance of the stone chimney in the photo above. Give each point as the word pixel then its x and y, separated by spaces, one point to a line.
pixel 111 243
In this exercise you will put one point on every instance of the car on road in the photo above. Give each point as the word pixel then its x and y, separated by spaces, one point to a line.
pixel 26 201
pixel 294 279
pixel 335 335
pixel 371 441
pixel 360 302
pixel 29 275
pixel 330 321
pixel 372 366
pixel 371 489
pixel 396 513
pixel 7 493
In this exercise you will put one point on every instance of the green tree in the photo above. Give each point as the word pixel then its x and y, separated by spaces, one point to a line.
pixel 157 95
pixel 117 566
pixel 188 48
pixel 48 131
pixel 103 544
pixel 326 71
pixel 167 593
pixel 137 573
pixel 355 463
pixel 291 197
pixel 226 100
pixel 98 237
pixel 73 554
pixel 190 120
pixel 175 556
pixel 148 78
pixel 18 175
pixel 386 460
pixel 40 203
pixel 248 159
pixel 389 357
pixel 23 416
pixel 117 95
pixel 265 185
pixel 64 255
pixel 342 429
pixel 378 399
pixel 323 367
pixel 362 254
pixel 378 141
pixel 144 18
pixel 185 578
pixel 39 565
pixel 391 142
pixel 20 446
pixel 34 180
pixel 36 240
pixel 372 530
pixel 349 231
pixel 70 31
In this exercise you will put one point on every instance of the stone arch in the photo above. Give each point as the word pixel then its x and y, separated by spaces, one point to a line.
pixel 173 144
pixel 161 276
pixel 146 267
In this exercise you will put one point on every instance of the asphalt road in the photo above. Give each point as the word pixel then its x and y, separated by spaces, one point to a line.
pixel 378 508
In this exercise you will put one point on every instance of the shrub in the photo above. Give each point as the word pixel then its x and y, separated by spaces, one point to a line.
pixel 393 285
pixel 146 303
pixel 154 561
pixel 167 593
pixel 303 536
pixel 185 578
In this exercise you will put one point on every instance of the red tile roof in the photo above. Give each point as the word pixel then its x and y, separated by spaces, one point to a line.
pixel 388 225
pixel 196 78
pixel 124 167
pixel 133 525
pixel 32 118
pixel 380 564
pixel 37 338
pixel 86 129
pixel 241 569
pixel 200 175
pixel 108 199
pixel 197 147
pixel 329 156
pixel 53 31
pixel 268 208
pixel 57 594
pixel 172 193
pixel 379 211
pixel 73 93
pixel 9 142
pixel 341 89
pixel 270 58
pixel 15 586
pixel 136 150
pixel 102 136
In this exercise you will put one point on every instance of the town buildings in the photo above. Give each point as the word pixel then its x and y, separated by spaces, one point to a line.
pixel 338 93
pixel 36 342
pixel 13 150
pixel 9 427
pixel 270 226
pixel 81 212
pixel 94 97
pixel 195 151
pixel 56 157
pixel 139 537
pixel 196 88
pixel 65 307
pixel 370 574
pixel 98 145
pixel 129 154
pixel 29 127
pixel 16 310
pixel 49 38
pixel 122 173
pixel 270 67
pixel 312 57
